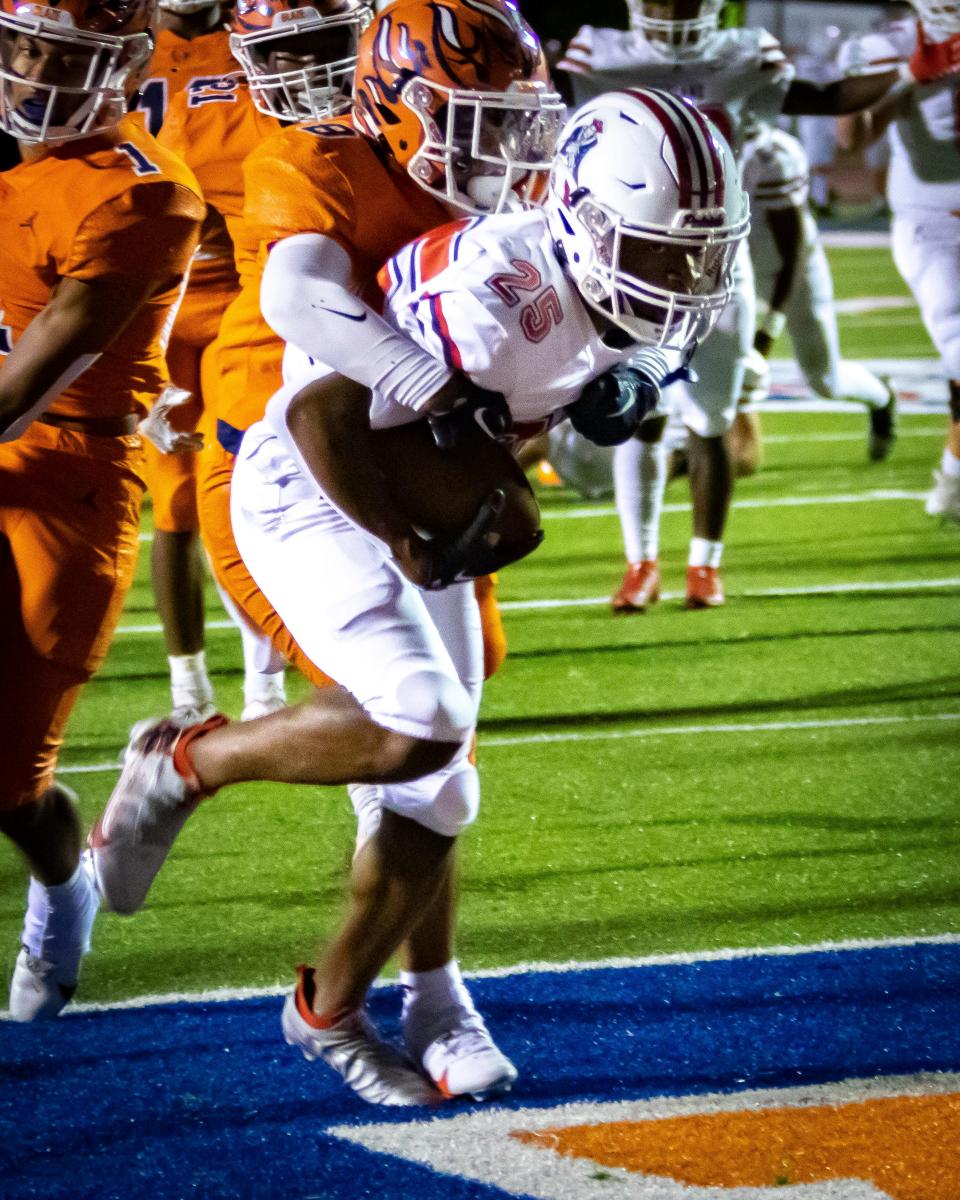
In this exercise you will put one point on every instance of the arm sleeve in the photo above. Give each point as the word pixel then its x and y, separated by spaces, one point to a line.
pixel 306 298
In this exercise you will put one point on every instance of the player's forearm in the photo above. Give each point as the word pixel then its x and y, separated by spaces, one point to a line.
pixel 328 422
pixel 849 95
pixel 307 298
pixel 786 228
pixel 40 367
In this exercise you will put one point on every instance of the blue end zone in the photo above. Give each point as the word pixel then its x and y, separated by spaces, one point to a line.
pixel 206 1100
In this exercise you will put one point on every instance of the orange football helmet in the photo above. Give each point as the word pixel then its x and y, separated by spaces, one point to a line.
pixel 458 92
pixel 299 58
pixel 67 69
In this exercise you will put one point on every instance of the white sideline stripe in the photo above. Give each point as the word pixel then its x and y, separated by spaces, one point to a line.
pixel 619 735
pixel 815 589
pixel 872 497
pixel 615 735
pixel 677 958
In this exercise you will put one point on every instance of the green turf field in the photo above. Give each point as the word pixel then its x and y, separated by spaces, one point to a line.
pixel 779 771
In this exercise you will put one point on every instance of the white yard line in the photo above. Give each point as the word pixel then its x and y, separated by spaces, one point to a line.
pixel 646 731
pixel 816 589
pixel 821 589
pixel 876 496
pixel 855 239
pixel 679 958
pixel 654 731
pixel 863 304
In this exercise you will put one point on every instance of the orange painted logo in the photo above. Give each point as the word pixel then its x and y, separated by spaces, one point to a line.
pixel 907 1146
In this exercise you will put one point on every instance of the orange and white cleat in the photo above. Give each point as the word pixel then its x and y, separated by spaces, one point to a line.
pixel 704 587
pixel 640 587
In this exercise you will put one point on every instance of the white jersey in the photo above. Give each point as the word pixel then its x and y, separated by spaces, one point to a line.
pixel 925 133
pixel 776 176
pixel 741 79
pixel 488 297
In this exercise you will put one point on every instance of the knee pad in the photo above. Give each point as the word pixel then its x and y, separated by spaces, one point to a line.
pixel 427 703
pixel 446 801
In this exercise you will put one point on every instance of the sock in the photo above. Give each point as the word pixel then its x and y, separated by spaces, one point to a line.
pixel 190 684
pixel 263 685
pixel 950 464
pixel 704 553
pixel 432 1001
pixel 303 998
pixel 56 916
pixel 640 477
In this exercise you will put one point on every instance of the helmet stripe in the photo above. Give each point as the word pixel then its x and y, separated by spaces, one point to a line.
pixel 653 99
pixel 705 148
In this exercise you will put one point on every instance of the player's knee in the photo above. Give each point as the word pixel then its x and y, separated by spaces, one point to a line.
pixel 445 802
pixel 433 705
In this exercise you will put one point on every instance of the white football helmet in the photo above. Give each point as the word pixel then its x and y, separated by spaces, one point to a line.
pixel 647 212
pixel 940 18
pixel 683 28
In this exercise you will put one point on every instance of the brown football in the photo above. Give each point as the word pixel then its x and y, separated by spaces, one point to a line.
pixel 441 490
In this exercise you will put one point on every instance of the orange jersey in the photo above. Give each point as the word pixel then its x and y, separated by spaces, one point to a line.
pixel 73 213
pixel 322 178
pixel 178 64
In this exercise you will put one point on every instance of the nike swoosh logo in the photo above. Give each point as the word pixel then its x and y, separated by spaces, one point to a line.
pixel 338 313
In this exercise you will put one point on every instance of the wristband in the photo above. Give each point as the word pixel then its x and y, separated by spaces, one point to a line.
pixel 773 324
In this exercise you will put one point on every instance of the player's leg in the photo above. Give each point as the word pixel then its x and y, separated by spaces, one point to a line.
pixel 69 509
pixel 927 254
pixel 812 322
pixel 266 643
pixel 176 560
pixel 708 407
pixel 640 479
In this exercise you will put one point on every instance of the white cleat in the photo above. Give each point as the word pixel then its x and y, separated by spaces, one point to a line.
pixel 375 1070
pixel 262 707
pixel 146 811
pixel 465 1061
pixel 943 499
pixel 60 922
pixel 191 714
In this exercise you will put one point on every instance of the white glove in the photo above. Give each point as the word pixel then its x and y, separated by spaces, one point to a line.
pixel 157 429
pixel 756 378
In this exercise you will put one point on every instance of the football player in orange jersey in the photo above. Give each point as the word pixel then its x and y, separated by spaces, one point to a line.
pixel 213 129
pixel 97 227
pixel 466 131
pixel 193 56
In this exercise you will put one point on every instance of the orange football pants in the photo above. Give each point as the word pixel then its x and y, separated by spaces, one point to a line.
pixel 69 521
pixel 172 478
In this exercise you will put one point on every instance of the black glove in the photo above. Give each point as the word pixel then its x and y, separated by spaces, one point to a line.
pixel 475 408
pixel 611 407
pixel 478 550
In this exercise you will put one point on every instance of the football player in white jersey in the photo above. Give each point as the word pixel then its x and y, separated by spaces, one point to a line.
pixel 629 259
pixel 795 289
pixel 739 77
pixel 923 191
